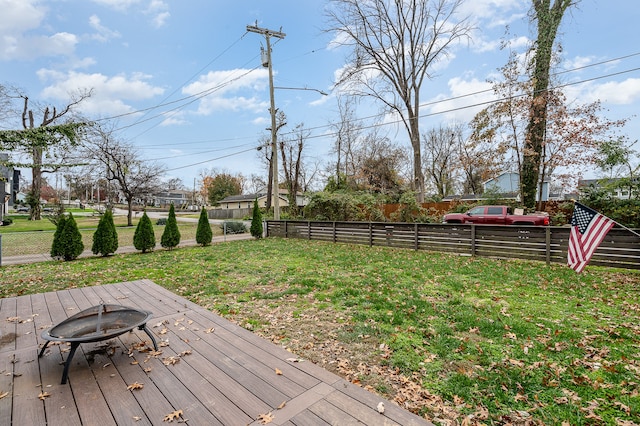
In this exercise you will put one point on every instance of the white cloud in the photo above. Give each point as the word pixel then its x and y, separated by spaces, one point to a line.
pixel 18 17
pixel 109 94
pixel 25 48
pixel 220 90
pixel 497 12
pixel 103 33
pixel 160 19
pixel 159 10
pixel 623 92
pixel 117 4
pixel 174 118
pixel 458 104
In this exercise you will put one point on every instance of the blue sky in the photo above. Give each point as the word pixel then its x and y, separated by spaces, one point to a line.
pixel 138 54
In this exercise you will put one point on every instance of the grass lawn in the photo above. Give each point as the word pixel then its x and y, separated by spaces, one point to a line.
pixel 457 339
pixel 24 237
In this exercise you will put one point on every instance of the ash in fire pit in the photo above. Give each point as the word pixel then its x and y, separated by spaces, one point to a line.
pixel 95 324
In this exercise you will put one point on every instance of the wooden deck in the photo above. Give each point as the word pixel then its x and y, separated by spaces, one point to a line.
pixel 213 371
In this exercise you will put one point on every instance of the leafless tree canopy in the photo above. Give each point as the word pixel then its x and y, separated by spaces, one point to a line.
pixel 123 166
pixel 395 45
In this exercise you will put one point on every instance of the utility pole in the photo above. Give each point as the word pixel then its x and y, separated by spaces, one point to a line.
pixel 266 62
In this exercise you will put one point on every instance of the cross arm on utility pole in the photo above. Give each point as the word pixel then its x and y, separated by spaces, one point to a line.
pixel 264 31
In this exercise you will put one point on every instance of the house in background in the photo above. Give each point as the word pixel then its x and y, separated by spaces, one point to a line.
pixel 239 206
pixel 9 181
pixel 508 183
pixel 245 201
pixel 180 199
pixel 612 184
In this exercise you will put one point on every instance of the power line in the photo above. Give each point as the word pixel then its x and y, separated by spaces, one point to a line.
pixel 474 105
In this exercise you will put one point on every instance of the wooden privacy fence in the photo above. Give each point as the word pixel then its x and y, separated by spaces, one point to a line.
pixel 620 248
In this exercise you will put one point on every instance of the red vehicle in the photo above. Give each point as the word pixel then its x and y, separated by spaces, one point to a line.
pixel 496 215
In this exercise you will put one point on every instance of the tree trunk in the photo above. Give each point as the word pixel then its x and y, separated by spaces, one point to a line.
pixel 548 19
pixel 129 210
pixel 418 175
pixel 36 184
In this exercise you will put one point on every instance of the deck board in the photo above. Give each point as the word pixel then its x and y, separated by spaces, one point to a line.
pixel 222 375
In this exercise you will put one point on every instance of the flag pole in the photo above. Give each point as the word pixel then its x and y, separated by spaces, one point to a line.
pixel 620 225
pixel 628 229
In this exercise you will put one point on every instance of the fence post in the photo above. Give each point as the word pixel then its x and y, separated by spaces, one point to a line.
pixel 0 249
pixel 473 240
pixel 548 245
pixel 335 237
pixel 286 229
pixel 309 229
pixel 370 234
pixel 415 231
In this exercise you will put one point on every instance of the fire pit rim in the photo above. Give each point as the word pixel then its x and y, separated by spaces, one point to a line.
pixel 87 338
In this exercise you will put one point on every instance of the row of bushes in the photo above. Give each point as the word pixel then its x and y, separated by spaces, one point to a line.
pixel 67 240
pixel 350 206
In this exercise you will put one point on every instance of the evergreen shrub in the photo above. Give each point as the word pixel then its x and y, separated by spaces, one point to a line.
pixel 144 239
pixel 204 234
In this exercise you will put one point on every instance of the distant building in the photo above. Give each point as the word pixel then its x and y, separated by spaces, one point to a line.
pixel 613 185
pixel 245 201
pixel 179 198
pixel 8 185
pixel 509 183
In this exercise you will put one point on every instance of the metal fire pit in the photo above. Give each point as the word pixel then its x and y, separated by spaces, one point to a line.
pixel 95 324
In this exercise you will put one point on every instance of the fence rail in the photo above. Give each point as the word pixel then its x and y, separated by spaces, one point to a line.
pixel 620 248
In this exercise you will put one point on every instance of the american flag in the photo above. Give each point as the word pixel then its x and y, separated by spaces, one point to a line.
pixel 588 229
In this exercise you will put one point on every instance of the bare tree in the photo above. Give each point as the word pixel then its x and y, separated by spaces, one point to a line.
pixel 378 164
pixel 123 166
pixel 347 134
pixel 291 151
pixel 441 158
pixel 395 46
pixel 45 142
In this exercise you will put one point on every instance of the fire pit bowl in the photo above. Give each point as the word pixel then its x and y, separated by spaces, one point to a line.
pixel 101 322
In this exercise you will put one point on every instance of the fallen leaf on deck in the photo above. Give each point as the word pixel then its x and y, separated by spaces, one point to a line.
pixel 281 406
pixel 137 418
pixel 3 394
pixel 176 415
pixel 183 353
pixel 278 372
pixel 266 418
pixel 135 385
pixel 172 360
pixel 295 359
pixel 209 330
pixel 44 395
pixel 380 407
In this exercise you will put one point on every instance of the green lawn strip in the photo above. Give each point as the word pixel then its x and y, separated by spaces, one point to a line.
pixel 511 338
pixel 37 242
